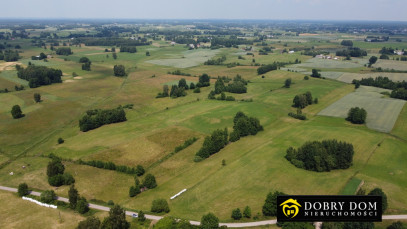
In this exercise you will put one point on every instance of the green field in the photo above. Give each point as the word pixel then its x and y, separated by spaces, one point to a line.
pixel 382 112
pixel 255 165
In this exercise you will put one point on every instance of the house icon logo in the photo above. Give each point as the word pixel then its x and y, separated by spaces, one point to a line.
pixel 290 208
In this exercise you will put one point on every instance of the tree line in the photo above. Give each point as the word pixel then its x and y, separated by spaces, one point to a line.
pixel 321 156
pixel 97 118
pixel 352 52
pixel 129 49
pixel 270 67
pixel 399 89
pixel 9 55
pixel 39 75
pixel 64 51
pixel 118 42
pixel 138 170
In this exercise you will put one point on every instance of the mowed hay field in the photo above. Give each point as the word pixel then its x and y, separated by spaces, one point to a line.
pixel 255 165
pixel 382 113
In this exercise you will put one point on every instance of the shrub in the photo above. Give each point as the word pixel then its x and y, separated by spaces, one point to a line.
pixel 48 196
pixel 37 97
pixel 140 170
pixel 247 212
pixel 297 116
pixel 119 70
pixel 160 205
pixel 82 206
pixel 60 141
pixel 22 189
pixel 91 222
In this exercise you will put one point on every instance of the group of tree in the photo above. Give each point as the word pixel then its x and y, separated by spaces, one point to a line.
pixel 39 75
pixel 352 52
pixel 97 118
pixel 237 214
pixel 269 67
pixel 76 202
pixel 19 88
pixel 115 220
pixel 244 125
pixel 85 63
pixel 233 41
pixel 387 51
pixel 56 175
pixel 399 88
pixel 204 80
pixel 238 85
pixel 149 182
pixel 321 156
pixel 42 56
pixel 303 100
pixel 64 51
pixel 16 112
pixel 217 61
pixel 9 55
pixel 299 115
pixel 348 43
pixel 138 170
pixel 357 115
pixel 119 70
pixel 129 49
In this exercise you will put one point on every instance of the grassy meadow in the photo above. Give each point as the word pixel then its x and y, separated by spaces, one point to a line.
pixel 255 165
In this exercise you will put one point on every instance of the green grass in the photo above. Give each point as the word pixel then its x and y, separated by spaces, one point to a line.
pixel 255 165
pixel 351 187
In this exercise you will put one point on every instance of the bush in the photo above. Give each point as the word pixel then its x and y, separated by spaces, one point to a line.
pixel 37 97
pixel 60 141
pixel 22 189
pixel 82 206
pixel 287 83
pixel 132 191
pixel 141 216
pixel 297 116
pixel 91 222
pixel 56 180
pixel 247 212
pixel 160 205
pixel 306 78
pixel 48 196
pixel 236 214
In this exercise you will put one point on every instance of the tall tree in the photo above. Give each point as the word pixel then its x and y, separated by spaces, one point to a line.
pixel 116 219
pixel 209 221
pixel 73 196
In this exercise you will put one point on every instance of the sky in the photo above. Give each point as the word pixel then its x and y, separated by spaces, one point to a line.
pixel 372 10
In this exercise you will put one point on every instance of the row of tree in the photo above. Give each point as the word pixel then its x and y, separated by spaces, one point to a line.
pixel 129 49
pixel 138 170
pixel 321 156
pixel 97 118
pixel 39 75
pixel 65 51
pixel 399 88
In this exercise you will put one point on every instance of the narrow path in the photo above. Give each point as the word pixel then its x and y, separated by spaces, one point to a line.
pixel 153 217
